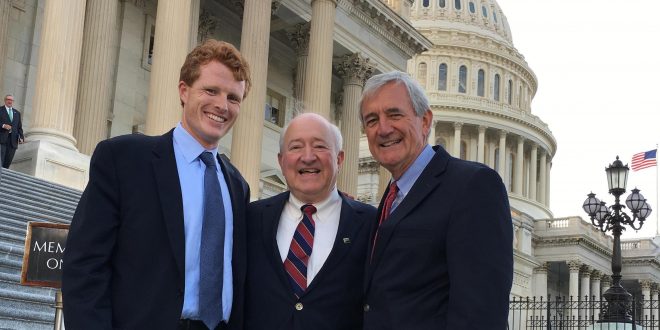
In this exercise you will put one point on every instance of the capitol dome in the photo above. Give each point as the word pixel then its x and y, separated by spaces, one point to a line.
pixel 480 89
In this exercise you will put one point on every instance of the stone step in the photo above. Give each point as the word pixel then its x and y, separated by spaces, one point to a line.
pixel 39 196
pixel 28 180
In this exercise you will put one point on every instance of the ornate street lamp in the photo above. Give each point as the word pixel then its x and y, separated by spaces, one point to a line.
pixel 614 219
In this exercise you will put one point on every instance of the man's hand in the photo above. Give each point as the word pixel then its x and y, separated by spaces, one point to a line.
pixel 21 141
pixel 6 126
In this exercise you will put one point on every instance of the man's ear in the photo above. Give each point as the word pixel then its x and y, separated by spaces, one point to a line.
pixel 183 92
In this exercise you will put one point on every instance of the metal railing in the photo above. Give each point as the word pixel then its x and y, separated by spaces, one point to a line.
pixel 557 313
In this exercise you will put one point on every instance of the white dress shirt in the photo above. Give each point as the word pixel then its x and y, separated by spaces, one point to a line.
pixel 326 220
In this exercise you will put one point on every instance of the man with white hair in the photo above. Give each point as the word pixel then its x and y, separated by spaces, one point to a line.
pixel 307 246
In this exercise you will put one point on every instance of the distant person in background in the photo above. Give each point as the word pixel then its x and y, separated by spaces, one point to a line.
pixel 11 131
pixel 158 238
pixel 307 246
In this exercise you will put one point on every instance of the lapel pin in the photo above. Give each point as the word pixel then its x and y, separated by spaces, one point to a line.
pixel 347 240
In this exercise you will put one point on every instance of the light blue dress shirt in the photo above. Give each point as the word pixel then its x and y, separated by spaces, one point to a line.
pixel 191 176
pixel 409 177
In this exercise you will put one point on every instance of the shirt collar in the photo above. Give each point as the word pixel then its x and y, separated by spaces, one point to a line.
pixel 409 177
pixel 320 206
pixel 189 147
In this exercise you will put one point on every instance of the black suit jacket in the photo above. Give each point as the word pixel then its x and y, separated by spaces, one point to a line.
pixel 444 256
pixel 7 138
pixel 333 300
pixel 124 259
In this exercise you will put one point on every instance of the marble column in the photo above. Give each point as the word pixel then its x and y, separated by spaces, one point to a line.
pixel 58 73
pixel 532 171
pixel 481 143
pixel 354 69
pixel 606 282
pixel 318 76
pixel 194 24
pixel 548 167
pixel 97 73
pixel 543 178
pixel 501 164
pixel 170 49
pixel 50 151
pixel 585 286
pixel 518 174
pixel 5 8
pixel 456 149
pixel 431 138
pixel 384 177
pixel 646 296
pixel 541 281
pixel 595 284
pixel 574 284
pixel 654 302
pixel 248 130
pixel 299 37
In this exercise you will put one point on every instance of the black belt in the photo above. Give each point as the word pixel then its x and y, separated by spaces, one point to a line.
pixel 188 324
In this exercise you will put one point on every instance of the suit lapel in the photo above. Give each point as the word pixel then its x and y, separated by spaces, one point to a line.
pixel 169 193
pixel 270 220
pixel 350 222
pixel 426 183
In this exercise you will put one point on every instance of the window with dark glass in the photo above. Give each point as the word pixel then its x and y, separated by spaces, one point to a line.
pixel 471 5
pixel 496 87
pixel 425 3
pixel 442 77
pixel 441 3
pixel 480 82
pixel 484 11
pixel 274 108
pixel 496 165
pixel 509 91
pixel 463 150
pixel 462 79
pixel 495 17
pixel 457 4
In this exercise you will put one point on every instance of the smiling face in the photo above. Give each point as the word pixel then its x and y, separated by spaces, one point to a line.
pixel 211 104
pixel 9 101
pixel 396 135
pixel 309 158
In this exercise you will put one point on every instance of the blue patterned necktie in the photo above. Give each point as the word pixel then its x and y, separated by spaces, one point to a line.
pixel 211 256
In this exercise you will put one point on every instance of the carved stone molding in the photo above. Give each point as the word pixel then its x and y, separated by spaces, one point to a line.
pixel 542 268
pixel 354 69
pixel 240 5
pixel 646 284
pixel 138 3
pixel 596 274
pixel 574 265
pixel 299 38
pixel 207 25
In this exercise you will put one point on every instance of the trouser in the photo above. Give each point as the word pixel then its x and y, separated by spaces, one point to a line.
pixel 6 154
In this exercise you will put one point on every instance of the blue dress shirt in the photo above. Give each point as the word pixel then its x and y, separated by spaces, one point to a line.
pixel 409 177
pixel 191 177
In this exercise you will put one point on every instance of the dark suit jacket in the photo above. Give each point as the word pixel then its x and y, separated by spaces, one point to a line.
pixel 333 299
pixel 444 257
pixel 124 259
pixel 7 138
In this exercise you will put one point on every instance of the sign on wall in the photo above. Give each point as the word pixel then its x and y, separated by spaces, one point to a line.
pixel 44 247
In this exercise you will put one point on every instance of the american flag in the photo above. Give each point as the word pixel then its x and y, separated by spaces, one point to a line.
pixel 643 160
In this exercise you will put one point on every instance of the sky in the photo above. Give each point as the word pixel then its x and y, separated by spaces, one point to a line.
pixel 598 67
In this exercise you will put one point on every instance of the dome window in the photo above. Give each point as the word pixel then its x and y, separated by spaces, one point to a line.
pixel 442 77
pixel 462 79
pixel 441 3
pixel 457 4
pixel 425 3
pixel 495 16
pixel 509 92
pixel 471 5
pixel 480 83
pixel 496 87
pixel 421 74
pixel 484 11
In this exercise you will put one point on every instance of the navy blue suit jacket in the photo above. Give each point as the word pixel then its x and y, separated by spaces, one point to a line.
pixel 125 255
pixel 334 298
pixel 7 138
pixel 444 256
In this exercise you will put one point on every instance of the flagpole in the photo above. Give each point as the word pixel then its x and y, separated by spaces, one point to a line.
pixel 657 216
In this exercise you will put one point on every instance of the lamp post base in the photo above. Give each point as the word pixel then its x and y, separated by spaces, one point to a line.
pixel 619 305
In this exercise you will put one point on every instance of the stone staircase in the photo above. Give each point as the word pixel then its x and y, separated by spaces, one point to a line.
pixel 24 198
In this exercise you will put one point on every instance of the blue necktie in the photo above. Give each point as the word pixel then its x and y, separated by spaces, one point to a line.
pixel 212 246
